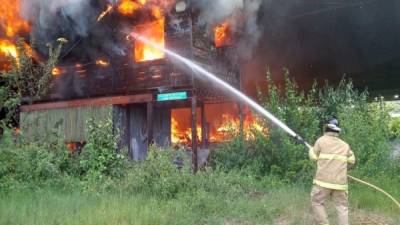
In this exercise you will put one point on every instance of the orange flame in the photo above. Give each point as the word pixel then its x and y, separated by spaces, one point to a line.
pixel 129 7
pixel 10 20
pixel 11 24
pixel 105 12
pixel 154 31
pixel 8 49
pixel 102 62
pixel 57 71
pixel 222 35
pixel 223 124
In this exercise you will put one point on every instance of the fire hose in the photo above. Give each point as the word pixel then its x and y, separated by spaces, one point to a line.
pixel 299 138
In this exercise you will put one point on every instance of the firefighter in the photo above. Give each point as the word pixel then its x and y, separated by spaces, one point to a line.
pixel 333 156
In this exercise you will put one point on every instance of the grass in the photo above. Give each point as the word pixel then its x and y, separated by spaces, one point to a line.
pixel 285 205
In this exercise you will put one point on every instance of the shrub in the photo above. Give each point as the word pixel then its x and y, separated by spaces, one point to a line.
pixel 364 124
pixel 38 163
pixel 277 153
pixel 158 175
pixel 395 128
pixel 99 156
pixel 32 163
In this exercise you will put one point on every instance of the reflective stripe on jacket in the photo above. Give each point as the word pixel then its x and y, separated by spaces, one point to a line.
pixel 332 156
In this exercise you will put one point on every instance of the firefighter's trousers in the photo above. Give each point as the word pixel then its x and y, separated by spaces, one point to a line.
pixel 340 199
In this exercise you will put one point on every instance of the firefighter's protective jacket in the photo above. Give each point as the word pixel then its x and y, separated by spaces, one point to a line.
pixel 332 156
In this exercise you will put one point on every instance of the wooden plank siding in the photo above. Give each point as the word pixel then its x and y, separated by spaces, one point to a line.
pixel 69 124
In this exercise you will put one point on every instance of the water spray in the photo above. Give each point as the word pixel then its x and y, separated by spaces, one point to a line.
pixel 199 70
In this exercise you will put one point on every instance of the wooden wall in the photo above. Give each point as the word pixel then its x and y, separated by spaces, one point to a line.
pixel 68 123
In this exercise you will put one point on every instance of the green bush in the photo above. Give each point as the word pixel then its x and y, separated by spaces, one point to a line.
pixel 364 124
pixel 32 163
pixel 38 163
pixel 158 175
pixel 277 153
pixel 99 156
pixel 395 128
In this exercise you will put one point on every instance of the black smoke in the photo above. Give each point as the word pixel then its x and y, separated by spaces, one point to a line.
pixel 329 39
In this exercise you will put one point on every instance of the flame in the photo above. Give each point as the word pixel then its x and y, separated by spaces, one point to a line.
pixel 102 62
pixel 154 31
pixel 105 12
pixel 10 20
pixel 181 135
pixel 57 71
pixel 129 7
pixel 223 122
pixel 71 146
pixel 222 35
pixel 74 146
pixel 11 24
pixel 8 49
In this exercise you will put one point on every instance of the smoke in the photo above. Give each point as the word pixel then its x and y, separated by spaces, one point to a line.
pixel 75 16
pixel 74 20
pixel 242 16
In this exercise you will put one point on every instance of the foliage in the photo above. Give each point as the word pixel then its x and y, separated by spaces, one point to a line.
pixel 364 124
pixel 26 79
pixel 277 153
pixel 31 164
pixel 99 157
pixel 221 201
pixel 158 175
pixel 38 163
pixel 395 128
pixel 251 181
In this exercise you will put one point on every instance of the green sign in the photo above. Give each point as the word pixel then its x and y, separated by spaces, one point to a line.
pixel 172 96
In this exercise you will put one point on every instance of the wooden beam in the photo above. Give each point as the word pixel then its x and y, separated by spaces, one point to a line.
pixel 117 100
pixel 194 134
pixel 241 119
pixel 150 119
pixel 204 135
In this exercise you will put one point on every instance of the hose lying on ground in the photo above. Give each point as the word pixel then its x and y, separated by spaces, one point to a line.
pixel 376 188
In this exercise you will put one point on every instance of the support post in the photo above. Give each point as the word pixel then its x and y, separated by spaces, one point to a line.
pixel 128 131
pixel 150 123
pixel 194 134
pixel 204 134
pixel 241 119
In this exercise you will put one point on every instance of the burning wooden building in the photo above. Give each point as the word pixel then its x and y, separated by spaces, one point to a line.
pixel 150 97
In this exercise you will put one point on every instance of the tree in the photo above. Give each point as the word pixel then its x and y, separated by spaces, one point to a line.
pixel 27 80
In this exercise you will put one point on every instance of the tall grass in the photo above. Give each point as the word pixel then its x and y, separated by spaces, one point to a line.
pixel 288 204
pixel 52 207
